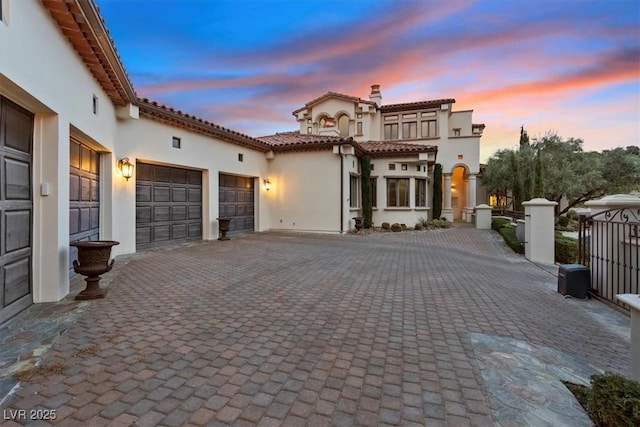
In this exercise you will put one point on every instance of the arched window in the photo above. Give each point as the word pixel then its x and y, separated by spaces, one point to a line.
pixel 343 125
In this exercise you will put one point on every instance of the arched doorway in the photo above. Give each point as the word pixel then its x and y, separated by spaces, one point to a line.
pixel 458 192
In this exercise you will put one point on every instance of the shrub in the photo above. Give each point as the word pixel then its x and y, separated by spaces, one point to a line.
pixel 498 223
pixel 566 250
pixel 396 227
pixel 386 226
pixel 423 221
pixel 563 221
pixel 440 223
pixel 418 226
pixel 612 400
pixel 404 226
pixel 508 233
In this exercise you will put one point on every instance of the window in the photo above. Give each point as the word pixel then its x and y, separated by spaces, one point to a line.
pixel 176 142
pixel 410 130
pixel 460 156
pixel 404 167
pixel 374 192
pixel 308 121
pixel 343 125
pixel 309 130
pixel 391 131
pixel 359 115
pixel 456 132
pixel 429 128
pixel 240 157
pixel 398 192
pixel 354 193
pixel 392 166
pixel 359 128
pixel 421 193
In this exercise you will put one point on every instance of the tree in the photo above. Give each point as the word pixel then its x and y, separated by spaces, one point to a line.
pixel 516 182
pixel 367 208
pixel 497 175
pixel 538 182
pixel 437 191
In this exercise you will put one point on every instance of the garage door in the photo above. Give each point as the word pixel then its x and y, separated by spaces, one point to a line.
pixel 236 200
pixel 168 205
pixel 84 196
pixel 16 208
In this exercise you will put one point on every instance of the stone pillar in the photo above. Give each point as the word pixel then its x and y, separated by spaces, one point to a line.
pixel 471 196
pixel 633 300
pixel 483 217
pixel 539 231
pixel 447 212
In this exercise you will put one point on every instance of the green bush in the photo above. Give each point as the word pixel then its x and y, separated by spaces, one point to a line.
pixel 498 223
pixel 508 233
pixel 418 226
pixel 386 226
pixel 612 400
pixel 563 221
pixel 566 250
pixel 396 227
pixel 404 226
pixel 440 223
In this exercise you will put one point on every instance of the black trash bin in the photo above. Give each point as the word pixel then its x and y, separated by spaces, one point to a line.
pixel 574 280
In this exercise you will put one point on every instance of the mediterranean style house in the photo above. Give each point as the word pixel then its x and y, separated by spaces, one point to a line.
pixel 82 157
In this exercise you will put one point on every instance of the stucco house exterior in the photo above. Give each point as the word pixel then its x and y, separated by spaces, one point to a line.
pixel 69 117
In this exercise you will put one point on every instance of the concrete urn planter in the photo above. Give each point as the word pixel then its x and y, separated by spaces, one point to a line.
pixel 93 260
pixel 223 225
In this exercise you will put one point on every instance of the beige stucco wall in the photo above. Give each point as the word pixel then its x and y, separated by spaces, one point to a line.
pixel 40 71
pixel 305 191
pixel 402 215
pixel 150 141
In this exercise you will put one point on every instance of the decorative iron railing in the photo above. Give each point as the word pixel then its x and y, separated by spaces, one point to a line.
pixel 609 244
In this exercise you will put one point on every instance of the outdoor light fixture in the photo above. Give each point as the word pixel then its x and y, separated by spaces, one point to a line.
pixel 126 167
pixel 267 184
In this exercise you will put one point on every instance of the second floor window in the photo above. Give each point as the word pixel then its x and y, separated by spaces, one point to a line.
pixel 391 131
pixel 429 129
pixel 409 130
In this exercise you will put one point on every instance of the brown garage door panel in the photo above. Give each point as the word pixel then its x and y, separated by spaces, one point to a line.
pixel 16 207
pixel 168 205
pixel 236 194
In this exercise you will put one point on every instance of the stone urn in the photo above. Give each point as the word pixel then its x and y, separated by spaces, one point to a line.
pixel 93 260
pixel 358 220
pixel 223 225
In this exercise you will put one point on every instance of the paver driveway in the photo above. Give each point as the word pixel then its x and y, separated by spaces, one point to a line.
pixel 311 329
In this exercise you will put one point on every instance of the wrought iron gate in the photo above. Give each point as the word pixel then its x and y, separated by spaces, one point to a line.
pixel 609 244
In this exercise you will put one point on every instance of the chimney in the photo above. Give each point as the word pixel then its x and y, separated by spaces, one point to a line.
pixel 375 95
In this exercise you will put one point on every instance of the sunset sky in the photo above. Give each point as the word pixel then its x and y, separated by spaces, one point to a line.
pixel 567 66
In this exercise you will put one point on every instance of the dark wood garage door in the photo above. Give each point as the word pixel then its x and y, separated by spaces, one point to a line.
pixel 16 208
pixel 168 205
pixel 237 201
pixel 84 196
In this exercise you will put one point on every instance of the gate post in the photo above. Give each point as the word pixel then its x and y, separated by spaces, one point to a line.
pixel 539 231
pixel 483 217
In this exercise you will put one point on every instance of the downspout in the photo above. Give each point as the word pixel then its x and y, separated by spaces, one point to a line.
pixel 341 189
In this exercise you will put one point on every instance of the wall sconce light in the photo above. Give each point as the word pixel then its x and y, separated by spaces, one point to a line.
pixel 267 184
pixel 453 186
pixel 126 167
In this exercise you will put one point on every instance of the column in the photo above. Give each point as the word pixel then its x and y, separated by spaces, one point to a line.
pixel 447 212
pixel 539 231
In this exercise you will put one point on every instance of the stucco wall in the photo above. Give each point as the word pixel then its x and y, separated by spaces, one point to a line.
pixel 150 141
pixel 305 191
pixel 40 71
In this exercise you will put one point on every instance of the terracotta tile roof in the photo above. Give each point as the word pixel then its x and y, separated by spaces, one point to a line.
pixel 389 149
pixel 434 103
pixel 333 95
pixel 81 23
pixel 295 141
pixel 173 117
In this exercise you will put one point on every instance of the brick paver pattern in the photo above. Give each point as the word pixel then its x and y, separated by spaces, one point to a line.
pixel 298 329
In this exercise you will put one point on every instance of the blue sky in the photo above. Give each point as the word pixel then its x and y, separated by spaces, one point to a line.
pixel 567 66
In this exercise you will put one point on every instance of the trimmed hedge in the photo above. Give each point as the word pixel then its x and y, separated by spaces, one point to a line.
pixel 440 223
pixel 508 233
pixel 566 250
pixel 396 227
pixel 498 223
pixel 612 400
pixel 386 225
